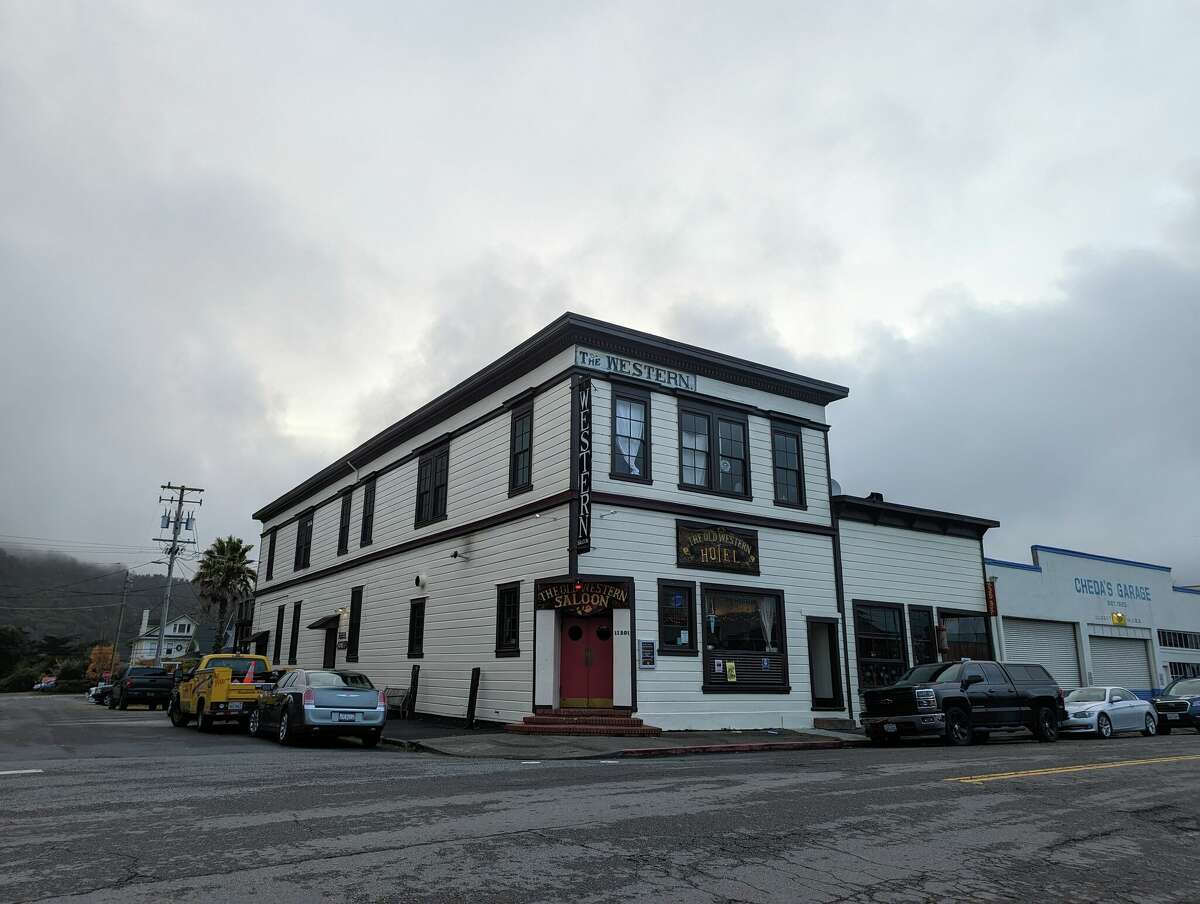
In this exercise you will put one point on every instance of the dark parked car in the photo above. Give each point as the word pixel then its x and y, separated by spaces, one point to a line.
pixel 964 702
pixel 141 684
pixel 1179 705
pixel 321 702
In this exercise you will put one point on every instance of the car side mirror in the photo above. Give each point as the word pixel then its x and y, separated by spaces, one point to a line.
pixel 971 679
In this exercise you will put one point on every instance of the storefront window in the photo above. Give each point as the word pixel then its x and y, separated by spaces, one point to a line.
pixel 744 646
pixel 676 618
pixel 879 634
pixel 966 636
pixel 924 644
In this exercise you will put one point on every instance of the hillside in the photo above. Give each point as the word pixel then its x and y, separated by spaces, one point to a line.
pixel 52 590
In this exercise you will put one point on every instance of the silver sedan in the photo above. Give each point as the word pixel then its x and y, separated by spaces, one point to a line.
pixel 1107 711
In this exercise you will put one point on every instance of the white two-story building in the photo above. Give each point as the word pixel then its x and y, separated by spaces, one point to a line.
pixel 604 519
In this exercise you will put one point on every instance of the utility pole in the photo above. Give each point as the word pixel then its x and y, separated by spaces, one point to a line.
pixel 178 495
pixel 112 660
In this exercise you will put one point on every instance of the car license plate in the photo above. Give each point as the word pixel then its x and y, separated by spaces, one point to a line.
pixel 889 726
pixel 235 707
pixel 1172 715
pixel 345 717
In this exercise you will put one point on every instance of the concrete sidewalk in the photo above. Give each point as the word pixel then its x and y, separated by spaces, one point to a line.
pixel 505 745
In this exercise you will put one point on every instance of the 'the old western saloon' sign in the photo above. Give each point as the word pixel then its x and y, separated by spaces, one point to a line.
pixel 581 597
pixel 716 548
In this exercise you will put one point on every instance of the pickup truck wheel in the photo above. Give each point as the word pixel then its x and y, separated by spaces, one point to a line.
pixel 1104 726
pixel 178 719
pixel 958 727
pixel 203 722
pixel 1045 725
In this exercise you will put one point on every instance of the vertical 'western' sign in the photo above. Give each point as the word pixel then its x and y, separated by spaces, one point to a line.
pixel 583 527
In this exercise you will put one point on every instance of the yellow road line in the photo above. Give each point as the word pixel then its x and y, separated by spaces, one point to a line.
pixel 1059 770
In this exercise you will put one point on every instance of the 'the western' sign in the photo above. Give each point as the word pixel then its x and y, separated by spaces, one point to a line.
pixel 635 370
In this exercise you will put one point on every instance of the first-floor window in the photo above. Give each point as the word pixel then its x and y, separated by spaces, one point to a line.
pixel 966 636
pixel 744 646
pixel 924 643
pixel 879 637
pixel 295 639
pixel 416 629
pixel 356 597
pixel 508 620
pixel 676 618
pixel 278 635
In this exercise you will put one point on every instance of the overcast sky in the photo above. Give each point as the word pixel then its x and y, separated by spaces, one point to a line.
pixel 235 239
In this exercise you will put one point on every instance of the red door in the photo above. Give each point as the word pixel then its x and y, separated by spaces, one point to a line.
pixel 586 662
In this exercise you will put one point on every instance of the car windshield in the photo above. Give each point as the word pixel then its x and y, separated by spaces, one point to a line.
pixel 339 679
pixel 1187 687
pixel 1087 695
pixel 923 673
pixel 240 667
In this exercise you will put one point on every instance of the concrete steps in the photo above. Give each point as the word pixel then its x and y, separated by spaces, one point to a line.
pixel 581 722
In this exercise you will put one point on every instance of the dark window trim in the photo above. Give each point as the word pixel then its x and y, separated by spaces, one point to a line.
pixel 786 687
pixel 416 652
pixel 366 535
pixel 343 543
pixel 294 641
pixel 839 694
pixel 904 635
pixel 304 532
pixel 430 460
pixel 642 396
pixel 778 429
pixel 354 628
pixel 515 488
pixel 274 532
pixel 693 648
pixel 279 616
pixel 715 415
pixel 514 649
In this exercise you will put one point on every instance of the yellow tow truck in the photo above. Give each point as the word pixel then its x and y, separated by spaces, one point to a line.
pixel 220 687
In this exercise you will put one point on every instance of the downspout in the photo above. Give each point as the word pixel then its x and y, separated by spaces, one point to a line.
pixel 837 580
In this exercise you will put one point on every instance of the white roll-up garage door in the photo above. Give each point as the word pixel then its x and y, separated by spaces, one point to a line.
pixel 1048 643
pixel 1123 661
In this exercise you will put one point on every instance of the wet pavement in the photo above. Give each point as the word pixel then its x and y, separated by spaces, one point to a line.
pixel 100 805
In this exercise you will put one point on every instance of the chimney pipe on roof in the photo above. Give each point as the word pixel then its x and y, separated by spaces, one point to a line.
pixel 875 496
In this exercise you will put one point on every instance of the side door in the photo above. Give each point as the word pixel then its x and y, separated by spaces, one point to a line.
pixel 270 700
pixel 982 711
pixel 1002 695
pixel 1123 708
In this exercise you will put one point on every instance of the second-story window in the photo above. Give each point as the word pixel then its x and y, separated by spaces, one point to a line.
pixel 344 523
pixel 271 554
pixel 713 451
pixel 368 519
pixel 520 455
pixel 786 450
pixel 631 435
pixel 304 530
pixel 432 476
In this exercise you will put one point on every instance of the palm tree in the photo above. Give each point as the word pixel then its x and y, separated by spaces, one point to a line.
pixel 223 579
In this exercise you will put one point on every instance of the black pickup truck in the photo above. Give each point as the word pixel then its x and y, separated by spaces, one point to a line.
pixel 141 684
pixel 964 701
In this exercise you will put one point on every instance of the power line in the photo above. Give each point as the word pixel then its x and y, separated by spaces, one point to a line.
pixel 56 608
pixel 58 541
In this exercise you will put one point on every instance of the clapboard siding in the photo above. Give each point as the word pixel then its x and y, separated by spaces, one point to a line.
pixel 894 565
pixel 460 615
pixel 664 449
pixel 477 487
pixel 641 545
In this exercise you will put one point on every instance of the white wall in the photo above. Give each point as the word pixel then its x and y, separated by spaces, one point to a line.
pixel 477 487
pixel 895 565
pixel 460 615
pixel 664 450
pixel 641 545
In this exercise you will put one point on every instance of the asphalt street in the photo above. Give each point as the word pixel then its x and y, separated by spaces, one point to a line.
pixel 119 806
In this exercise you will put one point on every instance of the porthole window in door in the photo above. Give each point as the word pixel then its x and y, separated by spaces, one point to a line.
pixel 574 632
pixel 603 632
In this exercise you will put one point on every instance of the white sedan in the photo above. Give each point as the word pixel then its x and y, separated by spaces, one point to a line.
pixel 1106 711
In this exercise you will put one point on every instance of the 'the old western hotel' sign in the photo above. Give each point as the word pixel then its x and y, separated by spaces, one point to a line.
pixel 714 547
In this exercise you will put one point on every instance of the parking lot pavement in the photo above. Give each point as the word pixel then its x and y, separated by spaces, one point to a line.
pixel 127 809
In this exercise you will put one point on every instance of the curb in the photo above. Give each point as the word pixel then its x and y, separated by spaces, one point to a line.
pixel 648 752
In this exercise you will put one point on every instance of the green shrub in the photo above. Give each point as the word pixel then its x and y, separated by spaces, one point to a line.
pixel 21 679
pixel 72 670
